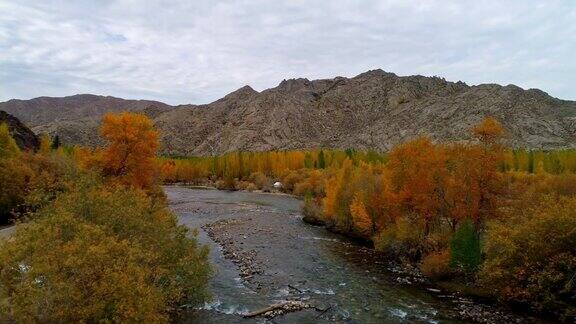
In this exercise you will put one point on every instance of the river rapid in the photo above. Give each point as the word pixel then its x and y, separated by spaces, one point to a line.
pixel 263 254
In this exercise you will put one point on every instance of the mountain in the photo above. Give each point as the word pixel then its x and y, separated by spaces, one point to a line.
pixel 75 119
pixel 374 110
pixel 23 136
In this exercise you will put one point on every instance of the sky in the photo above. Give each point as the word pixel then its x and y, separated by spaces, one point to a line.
pixel 198 51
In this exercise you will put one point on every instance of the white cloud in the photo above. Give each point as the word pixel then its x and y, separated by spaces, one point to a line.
pixel 197 51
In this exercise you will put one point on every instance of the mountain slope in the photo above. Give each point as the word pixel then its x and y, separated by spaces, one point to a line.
pixel 374 110
pixel 75 118
pixel 23 136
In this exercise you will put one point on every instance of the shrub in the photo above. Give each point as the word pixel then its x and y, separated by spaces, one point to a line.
pixel 312 212
pixel 228 183
pixel 562 185
pixel 52 173
pixel 260 180
pixel 290 180
pixel 30 181
pixel 219 184
pixel 403 238
pixel 531 256
pixel 251 187
pixel 13 187
pixel 437 265
pixel 312 184
pixel 465 248
pixel 242 185
pixel 100 254
pixel 62 269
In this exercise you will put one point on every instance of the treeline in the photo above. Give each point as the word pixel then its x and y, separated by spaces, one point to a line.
pixel 539 161
pixel 503 221
pixel 94 241
pixel 246 165
pixel 277 164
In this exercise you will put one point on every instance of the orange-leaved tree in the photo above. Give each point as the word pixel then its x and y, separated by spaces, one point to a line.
pixel 418 172
pixel 489 131
pixel 130 154
pixel 361 220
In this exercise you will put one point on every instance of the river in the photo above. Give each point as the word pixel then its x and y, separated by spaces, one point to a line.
pixel 263 253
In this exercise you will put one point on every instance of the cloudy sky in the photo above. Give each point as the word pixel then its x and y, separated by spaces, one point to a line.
pixel 197 51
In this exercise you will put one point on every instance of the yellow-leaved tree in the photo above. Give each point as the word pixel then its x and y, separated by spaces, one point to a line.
pixel 360 219
pixel 8 147
pixel 130 154
pixel 489 131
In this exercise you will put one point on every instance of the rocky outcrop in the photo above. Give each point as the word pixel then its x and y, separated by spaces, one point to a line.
pixel 23 136
pixel 374 110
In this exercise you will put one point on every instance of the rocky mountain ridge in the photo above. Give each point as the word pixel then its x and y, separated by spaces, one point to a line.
pixel 374 110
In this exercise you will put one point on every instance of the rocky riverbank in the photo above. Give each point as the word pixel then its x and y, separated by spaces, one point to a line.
pixel 274 258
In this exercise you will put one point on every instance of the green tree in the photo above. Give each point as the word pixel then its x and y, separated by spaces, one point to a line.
pixel 321 160
pixel 465 248
pixel 531 162
pixel 56 142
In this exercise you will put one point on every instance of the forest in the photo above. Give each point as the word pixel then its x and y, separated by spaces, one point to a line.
pixel 480 215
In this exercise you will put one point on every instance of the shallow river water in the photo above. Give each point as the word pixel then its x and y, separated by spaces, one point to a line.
pixel 296 261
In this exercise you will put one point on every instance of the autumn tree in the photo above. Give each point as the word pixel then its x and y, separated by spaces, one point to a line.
pixel 333 187
pixel 130 154
pixel 489 131
pixel 168 171
pixel 339 194
pixel 13 178
pixel 417 170
pixel 45 145
pixel 8 146
pixel 466 186
pixel 360 218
